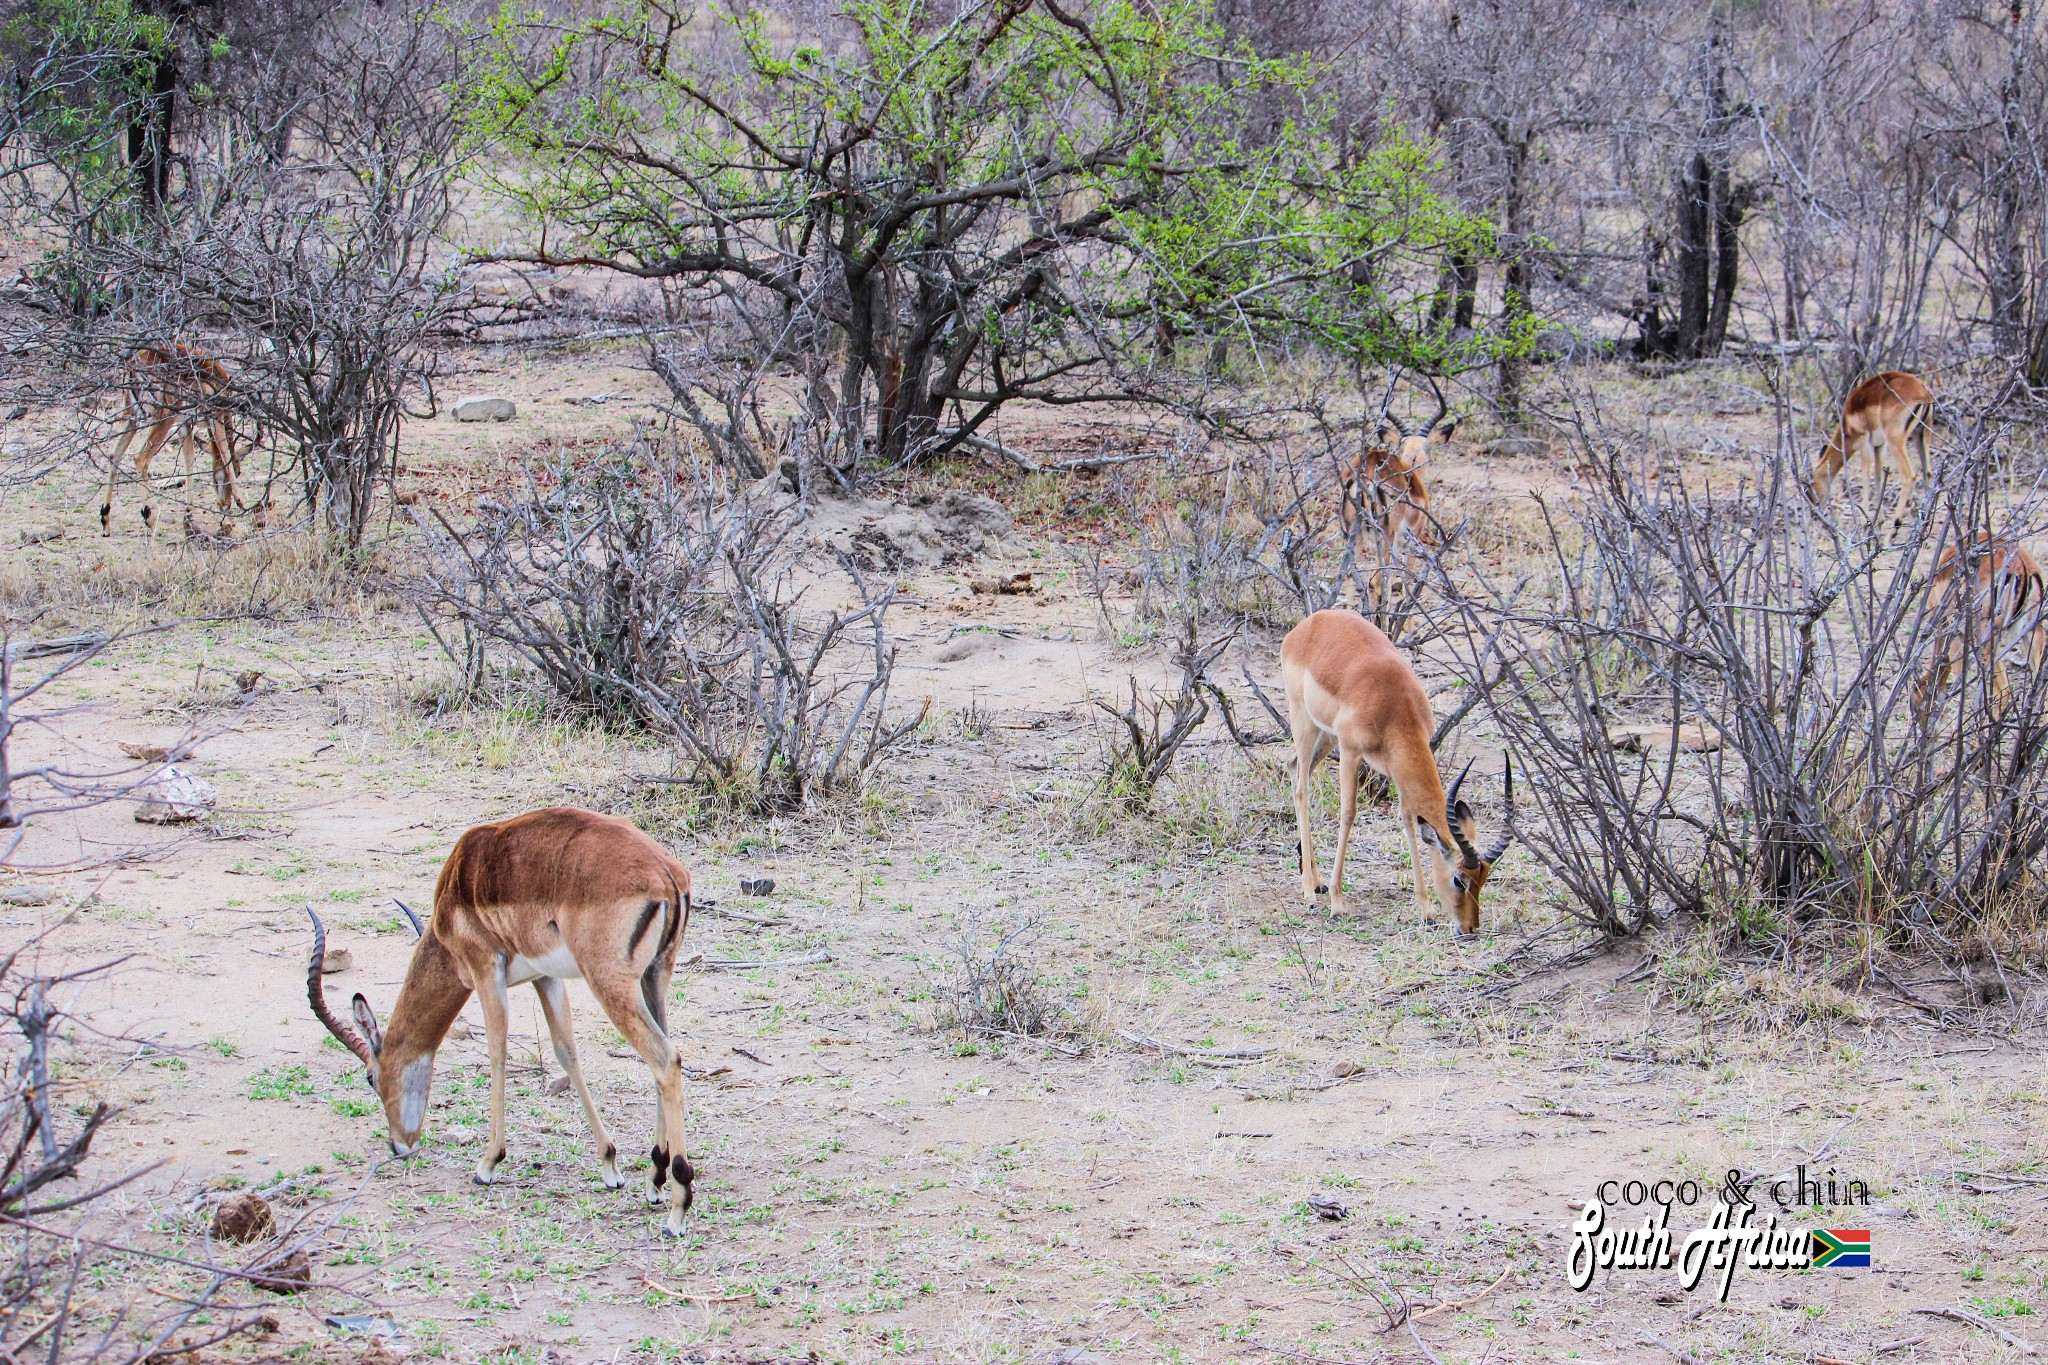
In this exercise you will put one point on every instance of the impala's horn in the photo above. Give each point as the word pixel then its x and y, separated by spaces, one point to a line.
pixel 1451 796
pixel 418 930
pixel 316 992
pixel 1467 854
pixel 1507 831
pixel 1387 418
pixel 1443 409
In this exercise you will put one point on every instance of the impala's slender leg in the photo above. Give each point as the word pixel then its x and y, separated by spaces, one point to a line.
pixel 187 441
pixel 133 411
pixel 554 1003
pixel 1347 811
pixel 1897 446
pixel 1408 816
pixel 1308 748
pixel 1917 420
pixel 642 1017
pixel 227 465
pixel 159 436
pixel 497 1030
pixel 670 1163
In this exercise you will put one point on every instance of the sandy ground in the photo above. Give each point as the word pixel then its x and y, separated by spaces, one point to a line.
pixel 872 1186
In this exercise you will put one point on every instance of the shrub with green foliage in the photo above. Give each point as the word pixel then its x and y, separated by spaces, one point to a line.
pixel 957 208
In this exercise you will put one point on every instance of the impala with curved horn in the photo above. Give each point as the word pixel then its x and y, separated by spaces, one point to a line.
pixel 1386 480
pixel 544 897
pixel 1349 687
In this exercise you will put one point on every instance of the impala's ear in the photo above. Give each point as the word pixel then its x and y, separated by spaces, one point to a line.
pixel 1444 432
pixel 1387 433
pixel 1462 815
pixel 1429 835
pixel 366 1020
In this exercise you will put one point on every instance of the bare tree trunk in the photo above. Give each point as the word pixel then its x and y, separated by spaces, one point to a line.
pixel 1516 281
pixel 1731 207
pixel 149 133
pixel 1795 285
pixel 1695 252
pixel 2008 263
pixel 1457 293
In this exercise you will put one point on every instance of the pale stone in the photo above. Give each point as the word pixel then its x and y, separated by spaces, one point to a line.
pixel 488 407
pixel 173 797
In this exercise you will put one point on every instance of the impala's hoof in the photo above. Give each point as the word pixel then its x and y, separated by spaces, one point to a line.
pixel 1322 890
pixel 672 1228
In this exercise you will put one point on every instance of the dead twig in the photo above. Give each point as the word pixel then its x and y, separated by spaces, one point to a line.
pixel 1982 1324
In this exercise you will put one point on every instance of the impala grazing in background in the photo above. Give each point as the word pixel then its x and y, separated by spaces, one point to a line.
pixel 2007 605
pixel 1386 481
pixel 1348 686
pixel 174 390
pixel 545 897
pixel 1895 408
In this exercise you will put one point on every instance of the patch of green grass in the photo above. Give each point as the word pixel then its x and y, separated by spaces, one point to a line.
pixel 281 1083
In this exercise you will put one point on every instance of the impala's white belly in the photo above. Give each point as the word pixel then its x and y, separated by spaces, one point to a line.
pixel 559 963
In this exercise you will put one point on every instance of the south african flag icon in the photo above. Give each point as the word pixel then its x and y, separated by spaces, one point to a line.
pixel 1841 1248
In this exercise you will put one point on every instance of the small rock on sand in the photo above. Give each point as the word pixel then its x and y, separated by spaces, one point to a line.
pixel 174 797
pixel 488 407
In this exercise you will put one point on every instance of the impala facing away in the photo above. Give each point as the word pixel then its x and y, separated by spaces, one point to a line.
pixel 543 897
pixel 1348 686
pixel 1386 480
pixel 2007 608
pixel 175 390
pixel 1895 408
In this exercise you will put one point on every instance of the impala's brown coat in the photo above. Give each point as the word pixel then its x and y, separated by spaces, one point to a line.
pixel 2008 608
pixel 170 390
pixel 1348 686
pixel 1894 407
pixel 542 897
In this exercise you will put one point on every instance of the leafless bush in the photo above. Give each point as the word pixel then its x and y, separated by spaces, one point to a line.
pixel 1154 725
pixel 1767 653
pixel 998 991
pixel 66 1254
pixel 717 390
pixel 639 589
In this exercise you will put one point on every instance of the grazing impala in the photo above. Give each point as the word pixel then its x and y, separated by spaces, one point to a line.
pixel 1895 408
pixel 543 897
pixel 1387 481
pixel 175 390
pixel 1348 686
pixel 2007 607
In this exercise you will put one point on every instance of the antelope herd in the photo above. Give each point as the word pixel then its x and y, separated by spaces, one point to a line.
pixel 562 894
